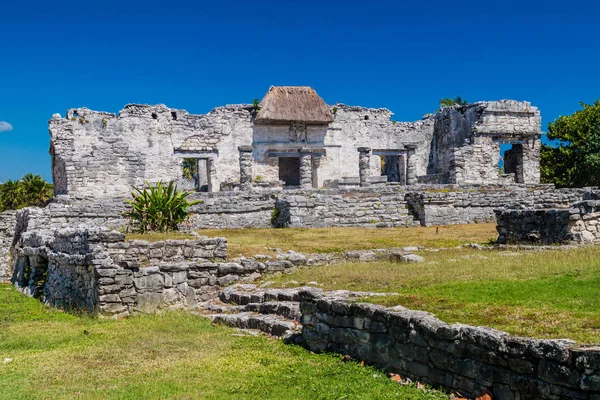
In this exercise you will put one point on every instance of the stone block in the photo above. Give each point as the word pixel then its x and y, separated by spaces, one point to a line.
pixel 154 282
pixel 147 303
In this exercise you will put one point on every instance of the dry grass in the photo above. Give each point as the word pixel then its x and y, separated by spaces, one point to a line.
pixel 549 294
pixel 159 236
pixel 250 242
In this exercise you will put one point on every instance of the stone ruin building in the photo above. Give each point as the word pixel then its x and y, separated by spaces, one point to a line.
pixel 293 140
pixel 295 161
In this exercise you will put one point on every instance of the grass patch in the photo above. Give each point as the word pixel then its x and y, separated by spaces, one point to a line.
pixel 171 355
pixel 249 242
pixel 551 294
pixel 159 236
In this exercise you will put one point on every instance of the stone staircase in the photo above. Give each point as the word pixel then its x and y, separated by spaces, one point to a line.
pixel 273 311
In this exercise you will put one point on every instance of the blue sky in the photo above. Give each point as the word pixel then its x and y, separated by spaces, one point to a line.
pixel 403 55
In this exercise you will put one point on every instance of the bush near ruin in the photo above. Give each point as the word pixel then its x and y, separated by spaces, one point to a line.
pixel 158 208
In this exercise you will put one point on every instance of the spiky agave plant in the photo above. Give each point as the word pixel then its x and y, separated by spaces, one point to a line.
pixel 159 207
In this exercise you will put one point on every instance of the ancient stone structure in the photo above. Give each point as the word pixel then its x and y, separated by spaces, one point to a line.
pixel 296 140
pixel 459 357
pixel 370 207
pixel 579 222
pixel 7 230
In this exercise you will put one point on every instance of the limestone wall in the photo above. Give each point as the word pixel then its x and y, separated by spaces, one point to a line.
pixel 468 359
pixel 466 142
pixel 251 209
pixel 355 127
pixel 96 270
pixel 101 154
pixel 580 223
pixel 7 230
pixel 368 208
pixel 477 204
pixel 400 206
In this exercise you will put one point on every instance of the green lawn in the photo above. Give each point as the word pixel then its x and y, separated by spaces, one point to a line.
pixel 551 294
pixel 46 354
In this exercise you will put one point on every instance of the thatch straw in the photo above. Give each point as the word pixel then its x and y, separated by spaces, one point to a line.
pixel 284 104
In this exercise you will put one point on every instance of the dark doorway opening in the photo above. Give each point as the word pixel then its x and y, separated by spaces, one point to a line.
pixel 391 168
pixel 512 160
pixel 204 181
pixel 289 170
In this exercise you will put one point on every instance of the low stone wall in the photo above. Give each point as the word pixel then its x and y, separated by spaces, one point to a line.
pixel 368 208
pixel 251 209
pixel 580 223
pixel 96 270
pixel 7 231
pixel 477 204
pixel 468 359
pixel 426 205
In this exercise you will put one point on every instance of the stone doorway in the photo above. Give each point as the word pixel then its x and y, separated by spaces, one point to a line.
pixel 289 170
pixel 391 168
pixel 393 164
pixel 513 160
pixel 204 182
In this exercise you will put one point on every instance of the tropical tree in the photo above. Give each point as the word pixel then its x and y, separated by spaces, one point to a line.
pixel 448 102
pixel 29 191
pixel 189 167
pixel 572 159
pixel 36 190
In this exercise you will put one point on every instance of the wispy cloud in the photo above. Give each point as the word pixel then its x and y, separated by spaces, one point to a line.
pixel 5 126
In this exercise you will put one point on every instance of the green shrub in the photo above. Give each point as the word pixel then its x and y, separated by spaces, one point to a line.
pixel 158 208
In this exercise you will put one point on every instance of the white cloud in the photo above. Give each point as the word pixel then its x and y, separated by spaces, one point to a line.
pixel 5 126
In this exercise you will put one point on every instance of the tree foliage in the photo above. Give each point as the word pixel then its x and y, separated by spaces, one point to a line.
pixel 189 167
pixel 159 208
pixel 29 191
pixel 573 160
pixel 448 102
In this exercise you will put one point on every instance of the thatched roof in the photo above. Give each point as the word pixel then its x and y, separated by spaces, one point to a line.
pixel 284 104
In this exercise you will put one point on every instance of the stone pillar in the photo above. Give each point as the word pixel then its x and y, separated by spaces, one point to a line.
pixel 364 166
pixel 411 167
pixel 402 168
pixel 305 168
pixel 245 167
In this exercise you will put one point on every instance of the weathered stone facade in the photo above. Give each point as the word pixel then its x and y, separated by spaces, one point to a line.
pixel 7 230
pixel 96 154
pixel 95 270
pixel 466 143
pixel 579 223
pixel 469 359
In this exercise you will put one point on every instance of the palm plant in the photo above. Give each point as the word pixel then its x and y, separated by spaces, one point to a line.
pixel 158 207
pixel 448 102
pixel 36 190
pixel 11 195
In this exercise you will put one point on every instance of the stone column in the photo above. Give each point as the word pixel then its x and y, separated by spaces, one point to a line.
pixel 305 167
pixel 364 166
pixel 411 167
pixel 245 167
pixel 402 168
